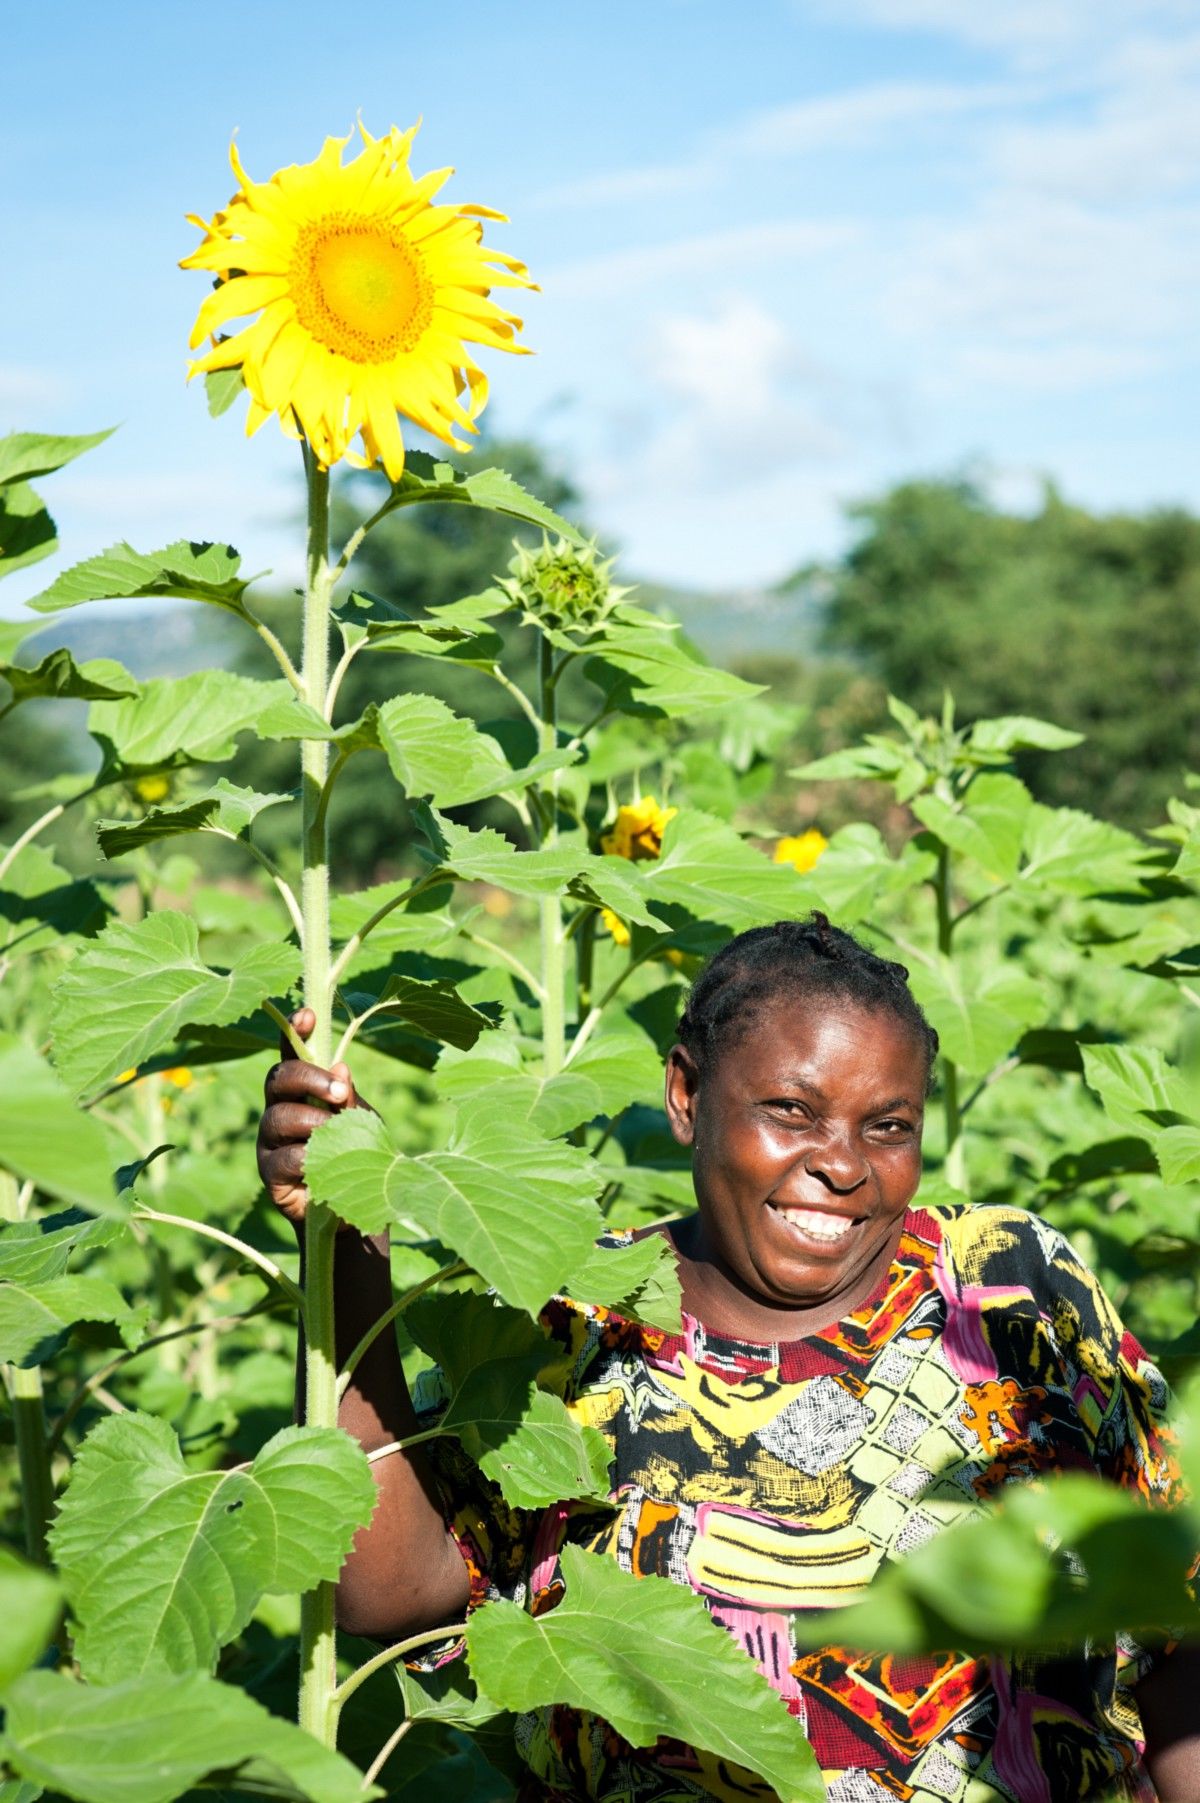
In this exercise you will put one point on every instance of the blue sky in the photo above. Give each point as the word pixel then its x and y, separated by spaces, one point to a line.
pixel 788 251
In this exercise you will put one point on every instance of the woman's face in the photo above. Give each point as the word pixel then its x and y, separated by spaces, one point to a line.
pixel 806 1143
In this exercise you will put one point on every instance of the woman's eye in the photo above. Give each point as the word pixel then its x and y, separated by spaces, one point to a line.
pixel 894 1129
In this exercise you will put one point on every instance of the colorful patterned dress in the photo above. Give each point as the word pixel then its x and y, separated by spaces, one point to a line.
pixel 775 1479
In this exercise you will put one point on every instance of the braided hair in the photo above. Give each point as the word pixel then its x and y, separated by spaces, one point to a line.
pixel 798 958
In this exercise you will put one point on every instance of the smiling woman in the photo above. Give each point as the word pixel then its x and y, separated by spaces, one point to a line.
pixel 855 1374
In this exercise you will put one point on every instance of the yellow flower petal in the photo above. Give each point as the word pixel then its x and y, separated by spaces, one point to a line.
pixel 361 296
pixel 800 850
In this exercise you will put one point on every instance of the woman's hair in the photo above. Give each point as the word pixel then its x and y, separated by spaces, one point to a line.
pixel 800 958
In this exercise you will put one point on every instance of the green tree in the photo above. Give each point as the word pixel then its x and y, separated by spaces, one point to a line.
pixel 1093 619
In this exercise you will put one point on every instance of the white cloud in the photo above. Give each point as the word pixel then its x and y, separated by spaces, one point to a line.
pixel 859 117
pixel 1031 31
pixel 772 241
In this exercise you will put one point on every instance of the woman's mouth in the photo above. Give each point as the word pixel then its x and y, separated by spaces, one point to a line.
pixel 815 1227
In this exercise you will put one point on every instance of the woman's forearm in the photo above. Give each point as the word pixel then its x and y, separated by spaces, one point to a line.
pixel 404 1572
pixel 1168 1699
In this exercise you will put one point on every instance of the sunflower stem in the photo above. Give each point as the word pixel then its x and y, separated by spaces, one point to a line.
pixel 550 906
pixel 318 1658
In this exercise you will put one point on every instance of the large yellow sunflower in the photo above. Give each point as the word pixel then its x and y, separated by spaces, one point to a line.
pixel 366 296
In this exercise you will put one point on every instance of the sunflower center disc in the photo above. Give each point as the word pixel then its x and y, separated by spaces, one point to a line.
pixel 358 290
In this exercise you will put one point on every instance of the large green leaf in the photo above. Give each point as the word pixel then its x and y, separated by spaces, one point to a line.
pixel 639 663
pixel 225 807
pixel 59 677
pixel 48 1141
pixel 979 1015
pixel 1072 853
pixel 494 490
pixel 163 1565
pixel 427 926
pixel 520 1436
pixel 488 857
pixel 185 571
pixel 36 1318
pixel 1020 732
pixel 645 1654
pixel 136 989
pixel 30 1601
pixel 181 720
pixel 459 631
pixel 639 1280
pixel 152 1739
pixel 1138 1089
pixel 1058 1565
pixel 434 1008
pixel 27 455
pixel 612 1070
pixel 43 908
pixel 856 869
pixel 989 828
pixel 27 532
pixel 708 869
pixel 877 759
pixel 32 1251
pixel 519 1208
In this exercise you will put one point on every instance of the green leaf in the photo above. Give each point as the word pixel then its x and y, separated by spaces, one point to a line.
pixel 492 489
pixel 1178 1152
pixel 458 631
pixel 29 1605
pixel 434 1008
pixel 181 720
pixel 32 1251
pixel 856 868
pixel 708 869
pixel 433 752
pixel 878 759
pixel 163 1565
pixel 27 532
pixel 45 1139
pixel 137 989
pixel 640 665
pixel 183 571
pixel 990 826
pixel 522 1438
pixel 639 1280
pixel 1018 732
pixel 225 807
pixel 645 1654
pixel 487 856
pixel 1072 853
pixel 979 1016
pixel 42 908
pixel 36 1319
pixel 482 1196
pixel 221 389
pixel 152 1739
pixel 426 926
pixel 59 676
pixel 1137 1088
pixel 611 1071
pixel 27 455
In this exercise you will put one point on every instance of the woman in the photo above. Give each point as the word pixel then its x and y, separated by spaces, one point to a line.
pixel 855 1374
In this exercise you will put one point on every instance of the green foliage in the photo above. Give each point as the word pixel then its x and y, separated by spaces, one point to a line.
pixel 941 589
pixel 581 1651
pixel 504 993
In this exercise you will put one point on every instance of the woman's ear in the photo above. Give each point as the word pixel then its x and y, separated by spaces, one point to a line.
pixel 682 1094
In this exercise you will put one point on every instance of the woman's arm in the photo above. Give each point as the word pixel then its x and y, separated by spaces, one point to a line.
pixel 405 1572
pixel 1169 1701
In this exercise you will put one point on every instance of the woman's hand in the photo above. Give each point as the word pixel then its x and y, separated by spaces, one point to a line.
pixel 299 1097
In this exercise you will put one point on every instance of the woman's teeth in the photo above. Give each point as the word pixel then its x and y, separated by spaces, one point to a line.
pixel 815 1224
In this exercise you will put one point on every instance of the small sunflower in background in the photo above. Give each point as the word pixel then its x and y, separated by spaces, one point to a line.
pixel 800 850
pixel 636 834
pixel 366 294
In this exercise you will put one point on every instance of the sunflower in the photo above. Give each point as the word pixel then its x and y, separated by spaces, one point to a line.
pixel 361 297
pixel 800 850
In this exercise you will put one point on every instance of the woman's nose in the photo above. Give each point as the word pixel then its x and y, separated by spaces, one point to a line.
pixel 837 1165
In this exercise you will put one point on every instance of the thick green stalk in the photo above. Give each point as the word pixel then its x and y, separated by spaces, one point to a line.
pixel 29 1421
pixel 553 968
pixel 318 1653
pixel 956 1161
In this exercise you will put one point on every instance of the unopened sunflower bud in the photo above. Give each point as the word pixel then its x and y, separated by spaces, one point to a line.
pixel 561 586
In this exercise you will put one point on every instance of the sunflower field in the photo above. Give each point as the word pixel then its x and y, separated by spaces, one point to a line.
pixel 577 848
